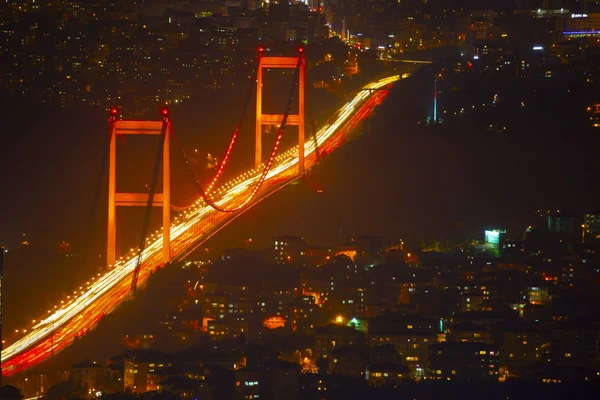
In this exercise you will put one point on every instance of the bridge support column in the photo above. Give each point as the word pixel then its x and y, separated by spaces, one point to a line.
pixel 301 79
pixel 259 84
pixel 166 203
pixel 275 119
pixel 111 242
pixel 115 198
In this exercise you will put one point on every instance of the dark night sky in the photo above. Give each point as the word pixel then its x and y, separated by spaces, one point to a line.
pixel 395 181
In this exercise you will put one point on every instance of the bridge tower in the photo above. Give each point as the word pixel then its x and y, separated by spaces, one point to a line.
pixel 118 127
pixel 275 119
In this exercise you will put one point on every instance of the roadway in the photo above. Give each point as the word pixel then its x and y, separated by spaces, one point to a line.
pixel 82 310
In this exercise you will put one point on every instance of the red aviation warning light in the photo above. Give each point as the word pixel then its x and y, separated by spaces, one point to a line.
pixel 164 112
pixel 300 49
pixel 114 114
pixel 260 51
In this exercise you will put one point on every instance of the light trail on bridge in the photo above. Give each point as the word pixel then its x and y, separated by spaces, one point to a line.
pixel 188 231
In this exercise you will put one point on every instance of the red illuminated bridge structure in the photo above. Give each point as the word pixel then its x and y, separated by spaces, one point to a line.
pixel 217 204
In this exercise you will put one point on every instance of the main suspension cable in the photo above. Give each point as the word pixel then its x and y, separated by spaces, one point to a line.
pixel 223 162
pixel 205 193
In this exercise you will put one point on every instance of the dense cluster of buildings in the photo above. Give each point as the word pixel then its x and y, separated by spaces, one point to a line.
pixel 142 53
pixel 137 53
pixel 511 307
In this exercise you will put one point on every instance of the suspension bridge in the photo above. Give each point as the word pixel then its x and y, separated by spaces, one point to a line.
pixel 217 205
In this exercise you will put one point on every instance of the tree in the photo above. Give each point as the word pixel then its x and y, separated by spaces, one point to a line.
pixel 59 391
pixel 9 392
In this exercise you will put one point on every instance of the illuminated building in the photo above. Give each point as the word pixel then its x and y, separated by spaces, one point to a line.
pixel 342 290
pixel 407 289
pixel 247 383
pixel 215 305
pixel 482 25
pixel 300 312
pixel 512 249
pixel 221 305
pixel 345 299
pixel 538 295
pixel 469 332
pixel 330 336
pixel 347 360
pixel 582 25
pixel 348 251
pixel 464 361
pixel 471 301
pixel 274 322
pixel 591 226
pixel 411 336
pixel 521 345
pixel 143 341
pixel 191 385
pixel 239 309
pixel 494 236
pixel 387 374
pixel 138 365
pixel 219 329
pixel 561 222
pixel 489 49
pixel 289 249
pixel 87 375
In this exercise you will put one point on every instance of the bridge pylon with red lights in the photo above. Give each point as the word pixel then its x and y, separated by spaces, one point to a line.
pixel 274 119
pixel 121 127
